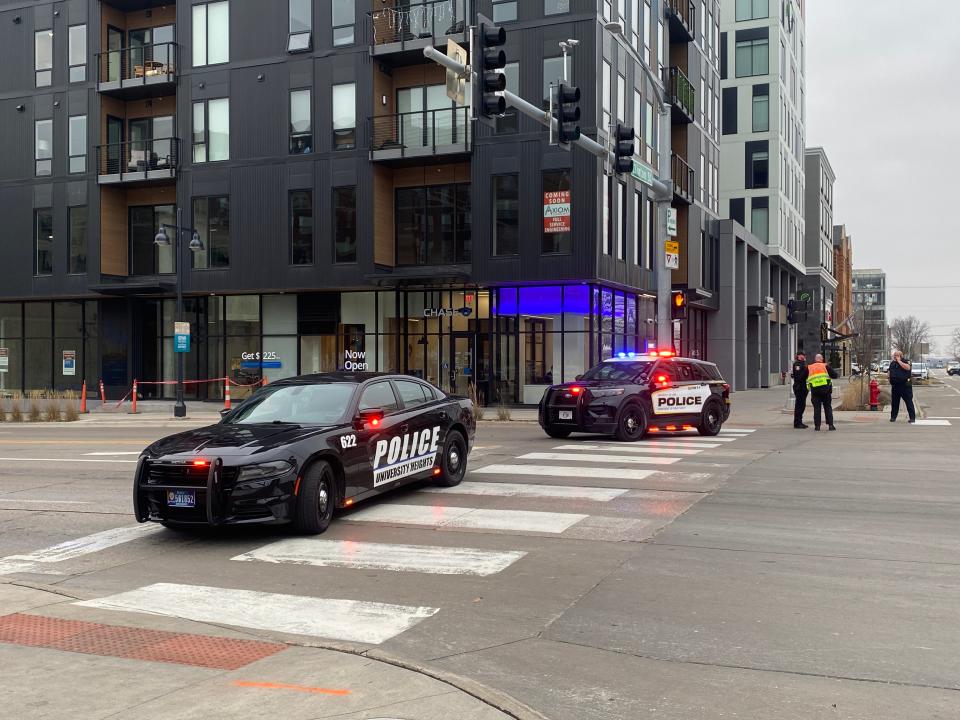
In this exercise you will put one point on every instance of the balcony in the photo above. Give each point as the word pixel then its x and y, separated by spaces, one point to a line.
pixel 681 95
pixel 681 19
pixel 406 30
pixel 420 134
pixel 683 180
pixel 134 73
pixel 139 161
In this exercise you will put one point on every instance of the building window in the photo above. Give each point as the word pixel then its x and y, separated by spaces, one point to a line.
pixel 211 219
pixel 77 53
pixel 504 10
pixel 752 58
pixel 557 235
pixel 635 26
pixel 605 98
pixel 637 228
pixel 78 144
pixel 43 242
pixel 301 126
pixel 43 147
pixel 607 214
pixel 78 240
pixel 43 57
pixel 345 116
pixel 761 109
pixel 509 121
pixel 552 73
pixel 506 214
pixel 647 32
pixel 301 227
pixel 555 7
pixel 621 98
pixel 433 225
pixel 345 224
pixel 211 33
pixel 344 18
pixel 759 170
pixel 649 134
pixel 301 25
pixel 760 223
pixel 211 130
pixel 752 9
pixel 147 258
pixel 622 221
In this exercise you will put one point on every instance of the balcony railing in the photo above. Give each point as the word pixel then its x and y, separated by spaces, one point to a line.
pixel 428 132
pixel 418 21
pixel 138 160
pixel 138 66
pixel 681 94
pixel 683 180
pixel 682 19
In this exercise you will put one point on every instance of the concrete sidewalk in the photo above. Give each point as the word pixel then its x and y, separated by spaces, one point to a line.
pixel 96 665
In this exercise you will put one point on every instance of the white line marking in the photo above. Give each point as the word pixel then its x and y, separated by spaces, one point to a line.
pixel 347 620
pixel 45 502
pixel 469 518
pixel 89 544
pixel 600 494
pixel 691 440
pixel 639 448
pixel 672 443
pixel 565 471
pixel 64 460
pixel 932 422
pixel 945 417
pixel 378 556
pixel 731 431
pixel 107 454
pixel 571 457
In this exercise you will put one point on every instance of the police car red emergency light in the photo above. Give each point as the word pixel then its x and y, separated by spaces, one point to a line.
pixel 300 448
pixel 633 394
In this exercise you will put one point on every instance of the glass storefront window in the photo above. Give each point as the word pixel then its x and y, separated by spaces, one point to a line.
pixel 38 316
pixel 11 374
pixel 38 363
pixel 243 315
pixel 280 314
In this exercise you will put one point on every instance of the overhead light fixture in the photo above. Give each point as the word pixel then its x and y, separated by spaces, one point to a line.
pixel 161 239
pixel 195 243
pixel 614 27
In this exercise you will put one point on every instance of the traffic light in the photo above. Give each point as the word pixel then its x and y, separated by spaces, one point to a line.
pixel 492 60
pixel 678 305
pixel 567 113
pixel 623 149
pixel 796 311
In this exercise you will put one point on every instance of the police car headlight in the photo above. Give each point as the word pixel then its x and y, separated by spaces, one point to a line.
pixel 606 392
pixel 255 476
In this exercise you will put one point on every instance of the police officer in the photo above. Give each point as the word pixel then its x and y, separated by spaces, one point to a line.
pixel 901 378
pixel 799 375
pixel 820 377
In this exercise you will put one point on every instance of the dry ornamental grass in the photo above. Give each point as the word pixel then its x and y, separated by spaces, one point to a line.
pixel 16 409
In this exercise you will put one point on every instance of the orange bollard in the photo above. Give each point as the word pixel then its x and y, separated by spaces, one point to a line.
pixel 83 398
pixel 133 403
pixel 103 394
pixel 226 393
pixel 263 381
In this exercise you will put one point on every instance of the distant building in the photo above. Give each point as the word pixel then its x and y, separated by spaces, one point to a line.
pixel 843 273
pixel 870 306
pixel 819 283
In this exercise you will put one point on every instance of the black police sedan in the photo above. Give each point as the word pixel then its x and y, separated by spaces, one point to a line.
pixel 299 448
pixel 631 395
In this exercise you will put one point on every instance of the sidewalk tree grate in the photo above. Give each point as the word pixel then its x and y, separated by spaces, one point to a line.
pixel 133 643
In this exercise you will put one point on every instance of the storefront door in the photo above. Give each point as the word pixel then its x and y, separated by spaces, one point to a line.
pixel 462 363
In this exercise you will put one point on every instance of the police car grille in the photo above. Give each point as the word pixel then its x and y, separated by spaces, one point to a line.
pixel 178 475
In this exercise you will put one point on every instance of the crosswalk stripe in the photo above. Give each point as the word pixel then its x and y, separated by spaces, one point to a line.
pixel 565 471
pixel 89 544
pixel 729 431
pixel 586 457
pixel 468 518
pixel 687 439
pixel 669 444
pixel 334 619
pixel 600 494
pixel 638 448
pixel 430 559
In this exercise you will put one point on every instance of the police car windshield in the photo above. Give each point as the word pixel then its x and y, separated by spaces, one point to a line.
pixel 618 371
pixel 297 404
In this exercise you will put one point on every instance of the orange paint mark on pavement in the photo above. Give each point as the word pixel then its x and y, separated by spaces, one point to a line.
pixel 286 686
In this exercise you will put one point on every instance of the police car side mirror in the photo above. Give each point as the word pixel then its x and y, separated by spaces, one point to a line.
pixel 579 377
pixel 371 418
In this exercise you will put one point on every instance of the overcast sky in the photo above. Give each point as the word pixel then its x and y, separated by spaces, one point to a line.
pixel 883 99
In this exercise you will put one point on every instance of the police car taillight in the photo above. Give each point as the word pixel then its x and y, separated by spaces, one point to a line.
pixel 199 463
pixel 726 389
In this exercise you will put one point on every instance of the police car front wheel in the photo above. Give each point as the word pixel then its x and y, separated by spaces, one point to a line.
pixel 453 464
pixel 316 500
pixel 632 424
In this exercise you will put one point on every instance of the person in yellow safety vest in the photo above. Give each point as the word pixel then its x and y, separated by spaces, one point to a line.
pixel 820 382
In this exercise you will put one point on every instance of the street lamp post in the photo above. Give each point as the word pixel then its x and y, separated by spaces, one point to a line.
pixel 196 245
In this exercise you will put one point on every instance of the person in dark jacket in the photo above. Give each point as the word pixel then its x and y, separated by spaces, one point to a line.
pixel 901 387
pixel 799 375
pixel 820 377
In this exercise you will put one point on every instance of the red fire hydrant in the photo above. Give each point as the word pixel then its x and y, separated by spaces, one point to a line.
pixel 874 394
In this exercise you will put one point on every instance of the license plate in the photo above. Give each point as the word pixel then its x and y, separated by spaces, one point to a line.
pixel 566 414
pixel 181 498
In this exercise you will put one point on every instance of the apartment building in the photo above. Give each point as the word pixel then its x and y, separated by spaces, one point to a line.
pixel 843 272
pixel 762 186
pixel 336 208
pixel 870 306
pixel 819 284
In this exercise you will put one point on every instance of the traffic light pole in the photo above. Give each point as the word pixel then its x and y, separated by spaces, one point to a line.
pixel 662 186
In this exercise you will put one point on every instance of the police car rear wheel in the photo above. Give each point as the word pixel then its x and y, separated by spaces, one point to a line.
pixel 711 420
pixel 316 500
pixel 632 424
pixel 453 465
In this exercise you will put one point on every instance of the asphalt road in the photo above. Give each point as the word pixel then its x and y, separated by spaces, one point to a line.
pixel 769 574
